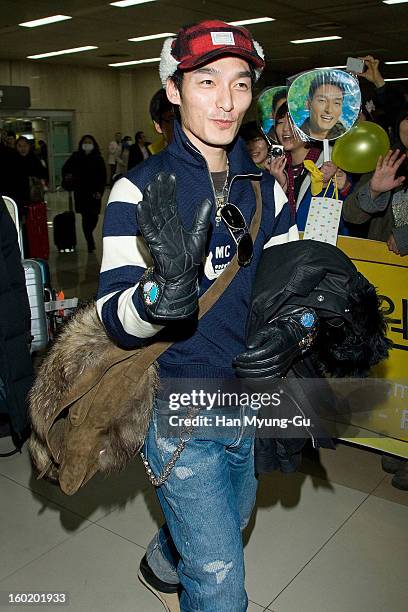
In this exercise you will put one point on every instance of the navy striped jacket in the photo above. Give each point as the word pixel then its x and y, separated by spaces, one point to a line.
pixel 204 348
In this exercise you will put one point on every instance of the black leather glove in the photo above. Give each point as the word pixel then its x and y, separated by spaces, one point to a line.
pixel 170 289
pixel 276 345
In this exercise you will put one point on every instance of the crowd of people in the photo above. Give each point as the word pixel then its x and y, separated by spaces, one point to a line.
pixel 25 174
pixel 375 205
pixel 379 214
pixel 124 154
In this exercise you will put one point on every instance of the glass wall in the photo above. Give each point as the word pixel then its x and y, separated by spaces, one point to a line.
pixel 50 133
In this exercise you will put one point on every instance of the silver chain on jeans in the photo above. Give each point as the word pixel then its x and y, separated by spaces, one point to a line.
pixel 185 436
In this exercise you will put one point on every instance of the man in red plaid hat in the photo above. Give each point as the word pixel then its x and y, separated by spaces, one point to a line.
pixel 195 563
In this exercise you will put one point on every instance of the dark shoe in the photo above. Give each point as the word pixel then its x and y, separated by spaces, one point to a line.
pixel 167 593
pixel 392 464
pixel 400 479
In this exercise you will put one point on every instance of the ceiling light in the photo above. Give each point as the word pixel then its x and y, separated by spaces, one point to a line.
pixel 44 21
pixel 400 62
pixel 251 21
pixel 329 67
pixel 312 40
pixel 399 79
pixel 133 63
pixel 394 1
pixel 125 3
pixel 62 52
pixel 151 37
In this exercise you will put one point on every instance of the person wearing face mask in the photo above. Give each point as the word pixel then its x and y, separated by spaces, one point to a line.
pixel 293 175
pixel 85 172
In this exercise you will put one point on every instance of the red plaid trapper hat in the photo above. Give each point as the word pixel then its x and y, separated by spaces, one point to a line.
pixel 203 42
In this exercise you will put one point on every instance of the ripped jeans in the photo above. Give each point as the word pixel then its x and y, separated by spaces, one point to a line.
pixel 206 501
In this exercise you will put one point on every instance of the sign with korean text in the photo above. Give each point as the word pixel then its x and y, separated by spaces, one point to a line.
pixel 389 274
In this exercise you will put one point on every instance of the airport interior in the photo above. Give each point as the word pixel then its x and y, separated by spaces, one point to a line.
pixel 330 536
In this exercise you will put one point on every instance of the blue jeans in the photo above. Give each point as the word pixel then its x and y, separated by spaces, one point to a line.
pixel 207 501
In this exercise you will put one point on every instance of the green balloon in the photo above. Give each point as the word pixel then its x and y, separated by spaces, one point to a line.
pixel 358 150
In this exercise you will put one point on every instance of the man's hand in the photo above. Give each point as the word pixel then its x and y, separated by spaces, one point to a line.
pixel 276 346
pixel 372 73
pixel 383 178
pixel 276 167
pixel 170 289
pixel 392 245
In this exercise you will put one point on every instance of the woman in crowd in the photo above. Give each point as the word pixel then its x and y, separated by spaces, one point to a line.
pixel 293 175
pixel 256 143
pixel 31 171
pixel 381 197
pixel 85 173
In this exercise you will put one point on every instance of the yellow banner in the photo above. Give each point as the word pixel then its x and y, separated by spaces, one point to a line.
pixel 389 274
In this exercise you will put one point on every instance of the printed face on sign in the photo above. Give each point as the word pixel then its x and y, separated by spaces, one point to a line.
pixel 324 104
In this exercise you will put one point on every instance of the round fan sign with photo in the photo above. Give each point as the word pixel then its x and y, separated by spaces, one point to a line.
pixel 324 104
pixel 266 104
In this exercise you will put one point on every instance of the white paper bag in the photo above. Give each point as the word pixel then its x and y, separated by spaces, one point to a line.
pixel 323 220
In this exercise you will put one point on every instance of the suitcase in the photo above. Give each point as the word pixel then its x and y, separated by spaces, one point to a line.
pixel 45 273
pixel 64 231
pixel 37 231
pixel 35 292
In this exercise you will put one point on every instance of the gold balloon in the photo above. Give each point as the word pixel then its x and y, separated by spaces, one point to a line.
pixel 358 150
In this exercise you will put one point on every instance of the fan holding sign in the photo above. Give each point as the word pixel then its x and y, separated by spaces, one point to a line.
pixel 323 105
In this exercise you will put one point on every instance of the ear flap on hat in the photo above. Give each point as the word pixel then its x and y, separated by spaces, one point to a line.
pixel 260 52
pixel 168 64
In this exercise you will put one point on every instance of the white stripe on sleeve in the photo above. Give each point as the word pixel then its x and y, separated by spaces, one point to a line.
pixel 128 316
pixel 131 321
pixel 121 251
pixel 290 235
pixel 102 301
pixel 125 191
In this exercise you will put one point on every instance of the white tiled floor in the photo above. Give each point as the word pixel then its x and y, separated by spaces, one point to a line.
pixel 332 537
pixel 313 544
